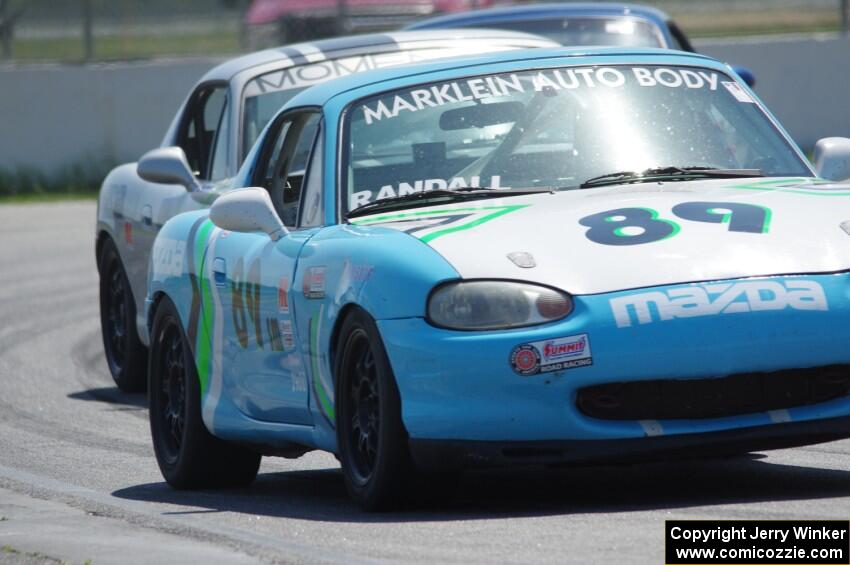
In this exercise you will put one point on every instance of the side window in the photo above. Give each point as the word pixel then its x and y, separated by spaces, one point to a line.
pixel 204 133
pixel 680 40
pixel 285 164
pixel 221 142
pixel 275 155
pixel 312 209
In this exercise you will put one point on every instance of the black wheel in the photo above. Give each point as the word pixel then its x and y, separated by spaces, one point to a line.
pixel 125 354
pixel 371 438
pixel 188 455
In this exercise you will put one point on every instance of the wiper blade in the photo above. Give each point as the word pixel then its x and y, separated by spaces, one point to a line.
pixel 442 194
pixel 669 173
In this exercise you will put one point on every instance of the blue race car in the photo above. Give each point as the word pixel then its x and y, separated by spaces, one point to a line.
pixel 576 23
pixel 538 257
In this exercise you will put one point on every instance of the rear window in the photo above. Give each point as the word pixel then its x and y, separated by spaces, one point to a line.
pixel 629 32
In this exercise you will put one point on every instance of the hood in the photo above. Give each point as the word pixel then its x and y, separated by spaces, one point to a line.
pixel 641 235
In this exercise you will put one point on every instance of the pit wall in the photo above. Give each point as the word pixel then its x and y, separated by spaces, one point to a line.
pixel 55 116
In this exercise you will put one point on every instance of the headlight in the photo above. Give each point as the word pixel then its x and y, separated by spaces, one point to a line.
pixel 495 305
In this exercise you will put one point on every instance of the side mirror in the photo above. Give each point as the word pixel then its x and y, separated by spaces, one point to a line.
pixel 746 75
pixel 247 210
pixel 167 165
pixel 832 158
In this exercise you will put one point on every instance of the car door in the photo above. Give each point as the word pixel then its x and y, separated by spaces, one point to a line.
pixel 262 366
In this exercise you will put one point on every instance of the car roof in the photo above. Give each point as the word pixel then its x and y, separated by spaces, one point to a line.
pixel 536 11
pixel 399 77
pixel 315 51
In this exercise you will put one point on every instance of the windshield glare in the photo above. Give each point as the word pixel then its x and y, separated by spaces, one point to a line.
pixel 556 128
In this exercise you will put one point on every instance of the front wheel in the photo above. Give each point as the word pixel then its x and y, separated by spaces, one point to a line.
pixel 371 438
pixel 125 354
pixel 188 455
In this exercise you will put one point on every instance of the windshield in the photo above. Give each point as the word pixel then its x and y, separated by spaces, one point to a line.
pixel 630 32
pixel 556 128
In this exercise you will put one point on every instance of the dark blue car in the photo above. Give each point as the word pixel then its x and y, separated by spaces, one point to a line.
pixel 580 24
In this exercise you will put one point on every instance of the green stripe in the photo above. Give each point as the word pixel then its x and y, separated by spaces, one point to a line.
pixel 469 225
pixel 421 213
pixel 324 401
pixel 497 211
pixel 780 185
pixel 204 340
pixel 768 216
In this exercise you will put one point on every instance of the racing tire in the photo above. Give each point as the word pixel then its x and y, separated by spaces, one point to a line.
pixel 126 357
pixel 371 438
pixel 188 456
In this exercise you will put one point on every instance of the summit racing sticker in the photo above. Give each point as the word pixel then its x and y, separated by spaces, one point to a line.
pixel 550 355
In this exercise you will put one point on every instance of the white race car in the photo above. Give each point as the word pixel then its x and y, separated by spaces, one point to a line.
pixel 212 132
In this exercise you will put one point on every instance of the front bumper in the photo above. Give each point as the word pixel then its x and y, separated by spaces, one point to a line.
pixel 437 455
pixel 459 388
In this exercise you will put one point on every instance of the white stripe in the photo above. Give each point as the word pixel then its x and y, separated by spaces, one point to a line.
pixel 284 62
pixel 464 46
pixel 445 44
pixel 311 53
pixel 409 35
pixel 651 427
pixel 215 385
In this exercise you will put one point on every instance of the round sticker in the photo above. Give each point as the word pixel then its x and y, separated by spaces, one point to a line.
pixel 525 359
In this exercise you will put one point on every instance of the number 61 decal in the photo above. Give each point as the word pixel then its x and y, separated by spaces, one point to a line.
pixel 635 226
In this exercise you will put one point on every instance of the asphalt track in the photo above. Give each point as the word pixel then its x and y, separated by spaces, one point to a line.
pixel 78 479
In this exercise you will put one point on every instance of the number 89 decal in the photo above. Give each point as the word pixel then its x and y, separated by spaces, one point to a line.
pixel 635 226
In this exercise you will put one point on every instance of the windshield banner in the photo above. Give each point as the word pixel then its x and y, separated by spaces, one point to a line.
pixel 481 88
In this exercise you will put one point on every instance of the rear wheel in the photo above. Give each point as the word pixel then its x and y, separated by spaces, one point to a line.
pixel 125 354
pixel 188 455
pixel 371 438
